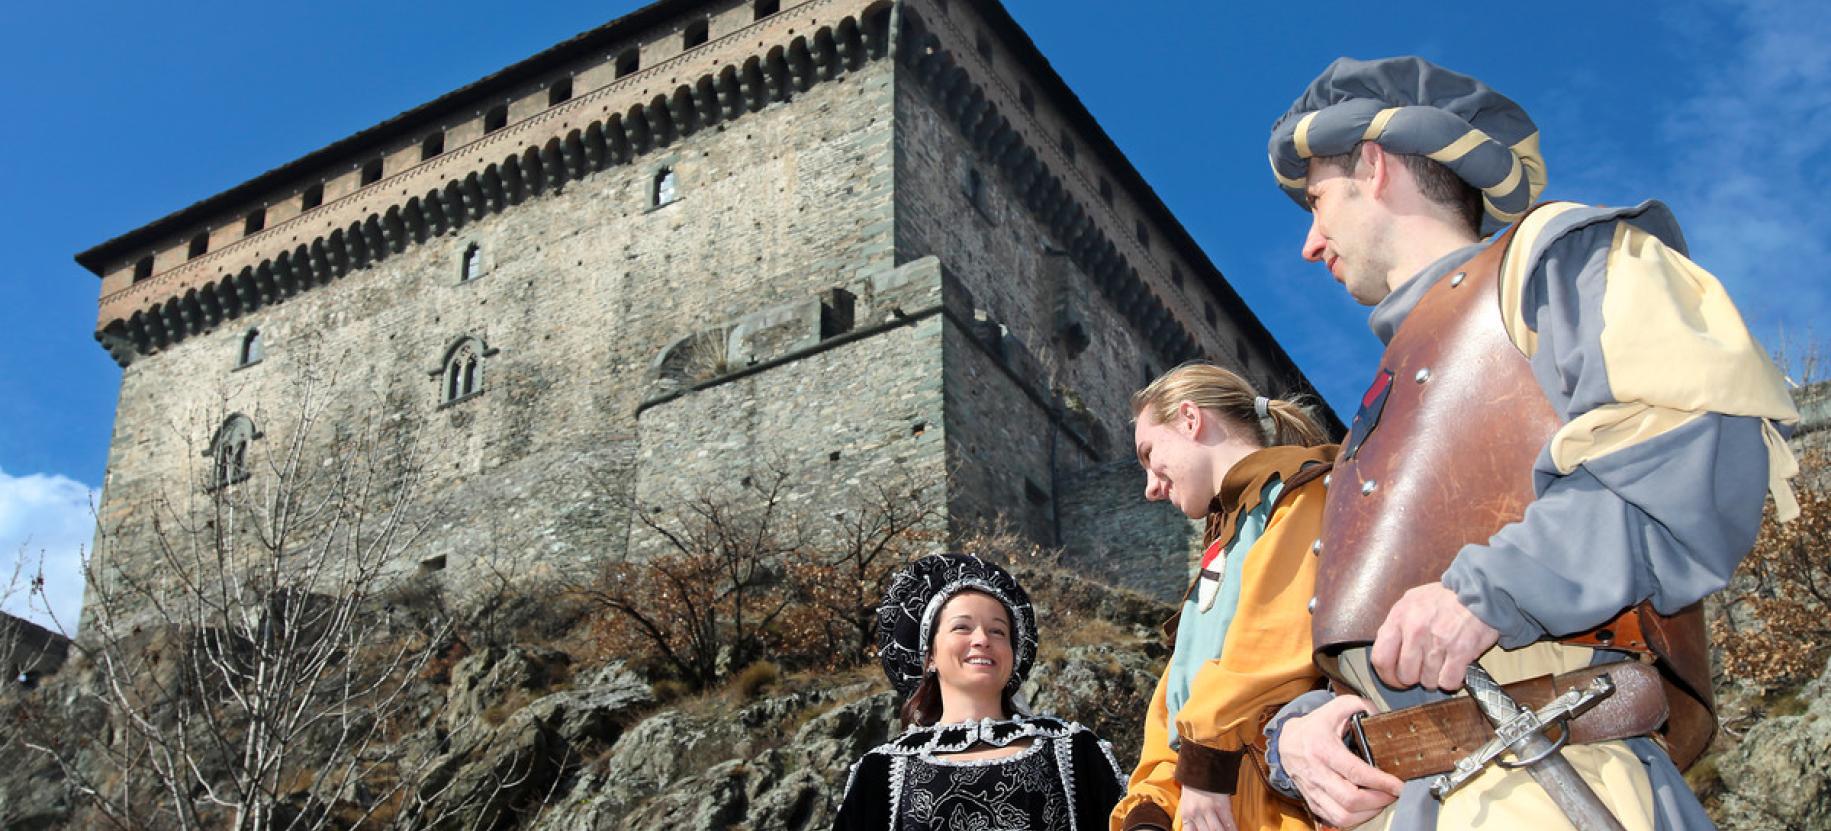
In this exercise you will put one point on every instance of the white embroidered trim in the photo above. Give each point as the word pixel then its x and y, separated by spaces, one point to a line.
pixel 897 767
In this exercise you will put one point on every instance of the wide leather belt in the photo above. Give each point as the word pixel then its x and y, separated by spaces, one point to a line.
pixel 1428 739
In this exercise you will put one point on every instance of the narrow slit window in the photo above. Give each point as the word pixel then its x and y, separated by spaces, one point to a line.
pixel 629 61
pixel 200 245
pixel 665 187
pixel 1067 145
pixel 1208 312
pixel 1176 276
pixel 1106 191
pixel 472 265
pixel 696 34
pixel 1144 233
pixel 1026 97
pixel 560 92
pixel 496 119
pixel 254 221
pixel 251 349
pixel 984 45
pixel 432 145
pixel 311 198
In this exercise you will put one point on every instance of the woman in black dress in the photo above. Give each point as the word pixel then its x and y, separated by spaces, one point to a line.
pixel 957 636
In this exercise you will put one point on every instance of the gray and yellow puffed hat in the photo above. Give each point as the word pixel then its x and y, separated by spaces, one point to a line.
pixel 1414 107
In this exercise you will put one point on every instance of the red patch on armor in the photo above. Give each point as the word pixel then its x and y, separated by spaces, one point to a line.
pixel 1214 551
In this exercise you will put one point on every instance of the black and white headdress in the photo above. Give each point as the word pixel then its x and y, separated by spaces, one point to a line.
pixel 906 619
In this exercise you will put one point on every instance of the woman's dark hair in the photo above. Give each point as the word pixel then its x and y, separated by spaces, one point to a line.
pixel 923 707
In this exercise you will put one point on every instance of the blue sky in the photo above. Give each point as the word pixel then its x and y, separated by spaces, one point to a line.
pixel 124 112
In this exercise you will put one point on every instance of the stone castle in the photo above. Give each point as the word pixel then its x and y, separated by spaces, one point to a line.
pixel 860 238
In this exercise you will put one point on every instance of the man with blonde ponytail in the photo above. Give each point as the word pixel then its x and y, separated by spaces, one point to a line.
pixel 1253 466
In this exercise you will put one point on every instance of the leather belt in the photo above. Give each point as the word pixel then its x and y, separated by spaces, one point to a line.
pixel 1428 739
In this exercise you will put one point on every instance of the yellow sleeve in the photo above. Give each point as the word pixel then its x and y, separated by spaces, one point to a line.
pixel 1265 658
pixel 1151 796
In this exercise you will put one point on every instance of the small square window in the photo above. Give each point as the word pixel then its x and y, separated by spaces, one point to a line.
pixel 765 8
pixel 559 92
pixel 371 172
pixel 629 61
pixel 254 222
pixel 312 197
pixel 696 34
pixel 143 268
pixel 496 119
pixel 433 145
pixel 200 245
pixel 665 190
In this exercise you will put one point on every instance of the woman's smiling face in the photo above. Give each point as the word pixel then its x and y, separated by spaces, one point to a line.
pixel 972 649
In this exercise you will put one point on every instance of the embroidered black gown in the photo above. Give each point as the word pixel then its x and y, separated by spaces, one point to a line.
pixel 1065 779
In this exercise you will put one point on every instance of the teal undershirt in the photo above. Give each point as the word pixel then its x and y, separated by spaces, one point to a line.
pixel 1200 635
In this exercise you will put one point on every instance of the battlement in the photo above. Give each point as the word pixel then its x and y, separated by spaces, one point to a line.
pixel 601 99
pixel 642 82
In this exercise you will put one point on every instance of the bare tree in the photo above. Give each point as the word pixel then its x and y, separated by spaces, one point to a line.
pixel 704 603
pixel 249 676
pixel 841 579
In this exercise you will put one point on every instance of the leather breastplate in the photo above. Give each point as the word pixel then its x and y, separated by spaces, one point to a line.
pixel 1441 456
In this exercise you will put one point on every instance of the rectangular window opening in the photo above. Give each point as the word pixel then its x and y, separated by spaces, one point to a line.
pixel 1026 97
pixel 371 172
pixel 560 92
pixel 697 33
pixel 200 245
pixel 254 222
pixel 496 119
pixel 765 8
pixel 143 268
pixel 629 61
pixel 433 145
pixel 312 197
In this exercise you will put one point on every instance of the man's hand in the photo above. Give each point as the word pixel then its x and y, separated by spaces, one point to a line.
pixel 1341 789
pixel 1429 638
pixel 1206 810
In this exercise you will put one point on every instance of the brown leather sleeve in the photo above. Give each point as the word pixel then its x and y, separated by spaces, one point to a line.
pixel 1216 771
pixel 1147 815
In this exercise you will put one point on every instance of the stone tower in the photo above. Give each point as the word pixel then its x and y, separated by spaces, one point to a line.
pixel 854 236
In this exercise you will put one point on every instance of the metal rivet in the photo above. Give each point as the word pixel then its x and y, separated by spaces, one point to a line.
pixel 1457 280
pixel 1316 547
pixel 1368 486
pixel 1422 376
pixel 1312 605
pixel 1326 479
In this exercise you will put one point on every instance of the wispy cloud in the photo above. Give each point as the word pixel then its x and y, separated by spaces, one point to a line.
pixel 1751 158
pixel 45 520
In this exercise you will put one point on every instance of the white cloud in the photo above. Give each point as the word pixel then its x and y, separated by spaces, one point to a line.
pixel 1751 150
pixel 46 520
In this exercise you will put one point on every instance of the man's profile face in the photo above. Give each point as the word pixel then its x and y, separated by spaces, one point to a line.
pixel 1345 233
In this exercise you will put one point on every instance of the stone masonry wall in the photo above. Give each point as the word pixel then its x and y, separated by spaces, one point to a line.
pixel 582 291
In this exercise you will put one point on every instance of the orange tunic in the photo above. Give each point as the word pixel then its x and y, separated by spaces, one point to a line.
pixel 1265 661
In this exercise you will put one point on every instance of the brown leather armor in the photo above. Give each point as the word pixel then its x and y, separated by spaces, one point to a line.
pixel 1445 460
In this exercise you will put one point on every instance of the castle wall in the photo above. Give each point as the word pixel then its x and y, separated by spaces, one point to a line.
pixel 582 290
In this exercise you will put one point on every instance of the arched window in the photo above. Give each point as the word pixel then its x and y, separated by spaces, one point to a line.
pixel 664 191
pixel 251 351
pixel 471 267
pixel 228 452
pixel 462 373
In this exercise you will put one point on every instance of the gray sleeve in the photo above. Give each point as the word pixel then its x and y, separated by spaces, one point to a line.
pixel 1302 705
pixel 1667 519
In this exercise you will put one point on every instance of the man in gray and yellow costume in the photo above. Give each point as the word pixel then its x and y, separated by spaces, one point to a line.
pixel 1567 446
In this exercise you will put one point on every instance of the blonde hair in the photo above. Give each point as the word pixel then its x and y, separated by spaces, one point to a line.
pixel 1230 396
